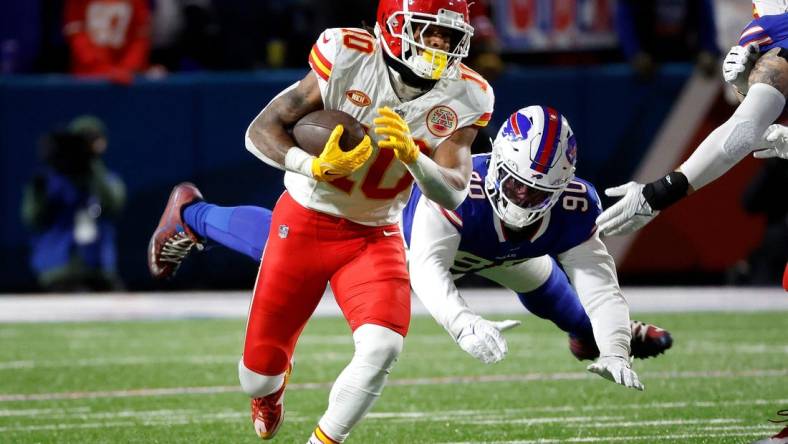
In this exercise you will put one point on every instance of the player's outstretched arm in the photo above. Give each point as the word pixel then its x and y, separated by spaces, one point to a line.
pixel 445 177
pixel 593 273
pixel 433 246
pixel 718 153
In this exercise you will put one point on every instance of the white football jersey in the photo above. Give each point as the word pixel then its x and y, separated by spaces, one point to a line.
pixel 354 78
pixel 768 7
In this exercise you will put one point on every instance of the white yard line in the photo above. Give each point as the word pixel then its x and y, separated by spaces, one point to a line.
pixel 676 437
pixel 185 417
pixel 234 305
pixel 526 377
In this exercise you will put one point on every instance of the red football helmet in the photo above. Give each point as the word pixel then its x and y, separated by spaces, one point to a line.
pixel 398 20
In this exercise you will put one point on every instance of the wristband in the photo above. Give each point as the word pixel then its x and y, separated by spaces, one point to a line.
pixel 299 161
pixel 665 192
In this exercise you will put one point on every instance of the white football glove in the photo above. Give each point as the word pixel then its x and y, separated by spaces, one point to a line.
pixel 775 142
pixel 616 369
pixel 483 340
pixel 627 215
pixel 737 66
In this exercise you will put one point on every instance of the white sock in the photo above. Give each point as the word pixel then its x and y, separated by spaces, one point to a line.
pixel 734 139
pixel 361 382
pixel 256 385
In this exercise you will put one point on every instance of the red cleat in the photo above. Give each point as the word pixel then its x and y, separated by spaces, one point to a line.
pixel 268 412
pixel 173 239
pixel 647 341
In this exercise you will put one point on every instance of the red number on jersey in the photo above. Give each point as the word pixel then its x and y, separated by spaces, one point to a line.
pixel 370 185
pixel 359 41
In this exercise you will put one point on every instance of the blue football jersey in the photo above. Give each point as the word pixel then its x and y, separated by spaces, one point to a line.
pixel 769 31
pixel 486 243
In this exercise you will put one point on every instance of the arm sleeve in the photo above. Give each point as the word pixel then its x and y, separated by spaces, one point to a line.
pixel 138 46
pixel 434 243
pixel 593 273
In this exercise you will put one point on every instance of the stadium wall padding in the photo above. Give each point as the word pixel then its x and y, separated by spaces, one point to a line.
pixel 191 127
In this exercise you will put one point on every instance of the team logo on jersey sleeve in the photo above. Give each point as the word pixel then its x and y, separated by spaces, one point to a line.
pixel 358 98
pixel 441 121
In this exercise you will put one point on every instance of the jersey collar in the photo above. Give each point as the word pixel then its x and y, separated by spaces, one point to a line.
pixel 544 222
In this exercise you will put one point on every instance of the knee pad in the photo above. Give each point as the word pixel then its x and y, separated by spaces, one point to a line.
pixel 377 346
pixel 257 385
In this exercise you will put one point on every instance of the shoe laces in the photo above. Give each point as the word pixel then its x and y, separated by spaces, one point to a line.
pixel 177 247
pixel 265 408
pixel 639 330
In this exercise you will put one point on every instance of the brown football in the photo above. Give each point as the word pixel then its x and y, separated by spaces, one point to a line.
pixel 312 131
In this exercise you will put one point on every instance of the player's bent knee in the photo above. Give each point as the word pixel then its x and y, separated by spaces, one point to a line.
pixel 257 385
pixel 377 346
pixel 266 359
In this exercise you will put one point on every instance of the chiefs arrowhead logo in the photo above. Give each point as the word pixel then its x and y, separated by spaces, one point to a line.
pixel 358 98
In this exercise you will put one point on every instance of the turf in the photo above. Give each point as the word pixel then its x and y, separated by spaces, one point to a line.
pixel 725 376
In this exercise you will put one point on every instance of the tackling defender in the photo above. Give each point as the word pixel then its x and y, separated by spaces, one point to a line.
pixel 510 230
pixel 758 69
pixel 340 206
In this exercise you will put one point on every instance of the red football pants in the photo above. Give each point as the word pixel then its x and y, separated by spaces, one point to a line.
pixel 305 250
pixel 785 278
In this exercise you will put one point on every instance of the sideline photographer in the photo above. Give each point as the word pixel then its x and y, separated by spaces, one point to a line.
pixel 70 205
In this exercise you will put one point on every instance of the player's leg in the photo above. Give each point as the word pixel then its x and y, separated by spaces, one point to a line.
pixel 243 229
pixel 374 294
pixel 286 293
pixel 545 291
pixel 188 221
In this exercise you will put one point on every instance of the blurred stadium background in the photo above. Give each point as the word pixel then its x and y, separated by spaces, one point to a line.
pixel 212 66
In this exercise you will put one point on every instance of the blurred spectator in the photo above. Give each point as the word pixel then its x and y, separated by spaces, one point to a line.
pixel 108 37
pixel 766 195
pixel 69 205
pixel 655 31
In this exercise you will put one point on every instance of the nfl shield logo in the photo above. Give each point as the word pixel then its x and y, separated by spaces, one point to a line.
pixel 283 230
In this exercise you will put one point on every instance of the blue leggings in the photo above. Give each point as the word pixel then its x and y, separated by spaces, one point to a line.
pixel 557 301
pixel 242 229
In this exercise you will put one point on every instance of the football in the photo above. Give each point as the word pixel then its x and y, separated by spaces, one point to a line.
pixel 313 130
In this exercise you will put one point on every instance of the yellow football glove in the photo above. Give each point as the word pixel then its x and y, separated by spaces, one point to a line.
pixel 334 163
pixel 399 139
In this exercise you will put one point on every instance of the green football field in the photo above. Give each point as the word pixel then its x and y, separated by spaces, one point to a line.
pixel 175 381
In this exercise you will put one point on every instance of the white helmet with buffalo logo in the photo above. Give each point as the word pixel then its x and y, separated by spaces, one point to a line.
pixel 532 162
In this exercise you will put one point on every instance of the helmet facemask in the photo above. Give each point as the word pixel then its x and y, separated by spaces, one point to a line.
pixel 518 202
pixel 425 61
